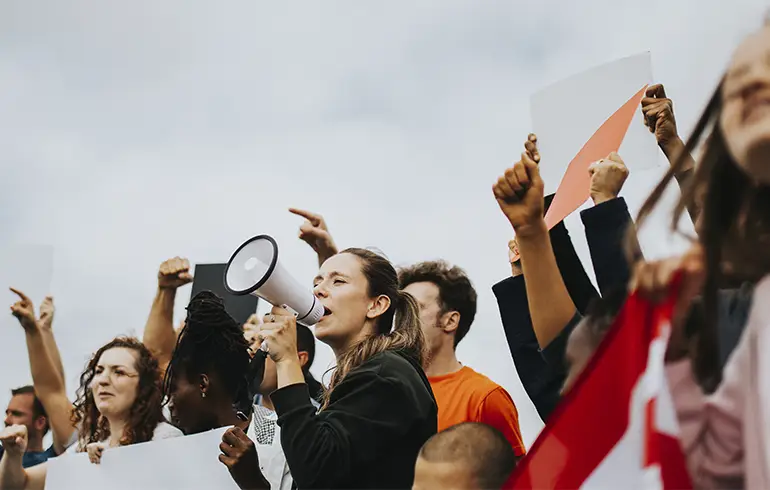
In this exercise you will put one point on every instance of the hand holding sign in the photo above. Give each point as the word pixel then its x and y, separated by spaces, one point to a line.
pixel 659 118
pixel 240 456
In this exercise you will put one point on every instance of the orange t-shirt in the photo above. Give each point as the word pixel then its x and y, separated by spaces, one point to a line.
pixel 468 396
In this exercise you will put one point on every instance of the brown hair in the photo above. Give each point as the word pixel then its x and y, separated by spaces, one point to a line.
pixel 735 221
pixel 456 293
pixel 396 329
pixel 38 410
pixel 146 412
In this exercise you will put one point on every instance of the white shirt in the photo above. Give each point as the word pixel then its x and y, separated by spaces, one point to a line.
pixel 266 434
pixel 162 431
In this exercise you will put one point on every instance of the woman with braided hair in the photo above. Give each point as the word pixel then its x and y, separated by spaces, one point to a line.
pixel 208 384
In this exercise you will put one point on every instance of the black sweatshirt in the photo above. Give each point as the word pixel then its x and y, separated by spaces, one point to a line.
pixel 368 436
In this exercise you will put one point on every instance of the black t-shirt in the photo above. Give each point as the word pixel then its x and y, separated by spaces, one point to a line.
pixel 33 458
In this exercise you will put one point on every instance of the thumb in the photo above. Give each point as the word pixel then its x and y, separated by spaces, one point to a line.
pixel 614 157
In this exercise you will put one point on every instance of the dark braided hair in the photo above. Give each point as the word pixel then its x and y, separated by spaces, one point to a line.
pixel 211 340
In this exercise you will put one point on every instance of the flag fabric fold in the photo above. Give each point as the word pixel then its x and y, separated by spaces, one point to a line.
pixel 617 427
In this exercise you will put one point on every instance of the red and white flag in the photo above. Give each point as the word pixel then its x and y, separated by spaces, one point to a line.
pixel 616 428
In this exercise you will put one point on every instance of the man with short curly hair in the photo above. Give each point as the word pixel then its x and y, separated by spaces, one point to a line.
pixel 447 303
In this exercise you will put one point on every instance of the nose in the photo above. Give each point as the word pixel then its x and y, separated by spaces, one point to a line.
pixel 320 291
pixel 8 422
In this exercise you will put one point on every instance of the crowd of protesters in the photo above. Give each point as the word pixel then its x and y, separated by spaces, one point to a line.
pixel 400 409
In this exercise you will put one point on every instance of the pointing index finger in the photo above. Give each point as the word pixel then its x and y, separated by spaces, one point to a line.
pixel 20 295
pixel 313 218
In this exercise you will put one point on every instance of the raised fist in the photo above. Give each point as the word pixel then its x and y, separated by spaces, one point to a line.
pixel 519 193
pixel 14 439
pixel 607 178
pixel 174 273
pixel 47 311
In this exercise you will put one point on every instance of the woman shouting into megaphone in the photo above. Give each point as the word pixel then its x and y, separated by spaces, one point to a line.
pixel 379 408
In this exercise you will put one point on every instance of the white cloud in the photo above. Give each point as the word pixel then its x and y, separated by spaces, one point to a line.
pixel 136 131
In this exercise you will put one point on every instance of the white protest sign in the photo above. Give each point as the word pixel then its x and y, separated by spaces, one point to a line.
pixel 180 462
pixel 566 115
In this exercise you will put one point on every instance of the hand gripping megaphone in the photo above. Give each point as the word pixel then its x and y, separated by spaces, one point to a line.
pixel 254 269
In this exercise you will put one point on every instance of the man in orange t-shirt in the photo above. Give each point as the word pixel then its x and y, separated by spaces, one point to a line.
pixel 447 303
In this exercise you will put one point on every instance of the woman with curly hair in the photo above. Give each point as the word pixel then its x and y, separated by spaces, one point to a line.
pixel 119 403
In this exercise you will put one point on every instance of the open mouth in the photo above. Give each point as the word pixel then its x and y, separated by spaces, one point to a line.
pixel 327 312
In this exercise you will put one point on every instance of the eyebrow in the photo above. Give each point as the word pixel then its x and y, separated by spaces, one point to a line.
pixel 331 274
pixel 739 71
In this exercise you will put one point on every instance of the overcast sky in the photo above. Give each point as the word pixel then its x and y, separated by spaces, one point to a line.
pixel 135 131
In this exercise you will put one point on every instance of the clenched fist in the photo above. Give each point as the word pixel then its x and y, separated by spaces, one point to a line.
pixel 14 439
pixel 607 178
pixel 519 193
pixel 47 311
pixel 174 273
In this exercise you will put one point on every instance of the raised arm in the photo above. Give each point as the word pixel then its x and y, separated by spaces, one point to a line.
pixel 45 322
pixel 519 193
pixel 658 113
pixel 315 233
pixel 608 223
pixel 159 334
pixel 49 384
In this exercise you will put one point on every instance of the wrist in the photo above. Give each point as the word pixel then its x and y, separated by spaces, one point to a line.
pixel 672 147
pixel 530 230
pixel 602 197
pixel 288 359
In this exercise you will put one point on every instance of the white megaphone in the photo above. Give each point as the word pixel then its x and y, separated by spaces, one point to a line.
pixel 254 269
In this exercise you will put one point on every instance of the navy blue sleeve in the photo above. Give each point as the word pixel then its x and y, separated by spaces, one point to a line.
pixel 554 352
pixel 606 226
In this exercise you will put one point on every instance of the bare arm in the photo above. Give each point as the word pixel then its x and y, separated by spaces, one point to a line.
pixel 46 328
pixel 49 387
pixel 12 475
pixel 659 118
pixel 674 150
pixel 48 382
pixel 550 305
pixel 159 334
pixel 519 193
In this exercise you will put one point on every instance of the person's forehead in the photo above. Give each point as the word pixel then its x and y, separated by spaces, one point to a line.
pixel 21 402
pixel 423 291
pixel 341 264
pixel 118 357
pixel 751 50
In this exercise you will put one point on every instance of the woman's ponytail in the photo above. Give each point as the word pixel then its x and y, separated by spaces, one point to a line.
pixel 398 329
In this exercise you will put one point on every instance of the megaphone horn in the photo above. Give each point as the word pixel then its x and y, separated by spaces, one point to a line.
pixel 254 269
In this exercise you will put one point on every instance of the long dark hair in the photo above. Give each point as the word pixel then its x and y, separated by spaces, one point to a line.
pixel 734 223
pixel 146 412
pixel 396 329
